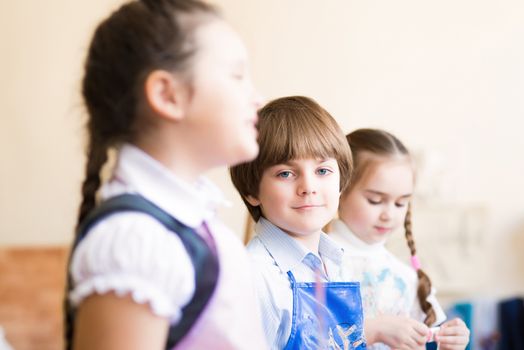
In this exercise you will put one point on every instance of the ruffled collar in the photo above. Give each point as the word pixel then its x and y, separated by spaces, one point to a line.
pixel 342 233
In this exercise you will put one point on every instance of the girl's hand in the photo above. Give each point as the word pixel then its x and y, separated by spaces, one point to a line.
pixel 398 332
pixel 453 335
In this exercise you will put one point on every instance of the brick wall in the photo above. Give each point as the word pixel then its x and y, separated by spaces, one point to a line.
pixel 31 291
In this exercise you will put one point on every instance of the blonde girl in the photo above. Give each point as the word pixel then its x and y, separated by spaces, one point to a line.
pixel 399 302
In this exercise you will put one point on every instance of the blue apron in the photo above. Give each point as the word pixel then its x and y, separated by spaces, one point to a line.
pixel 333 322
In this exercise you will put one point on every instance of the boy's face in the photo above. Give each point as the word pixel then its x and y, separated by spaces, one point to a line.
pixel 300 196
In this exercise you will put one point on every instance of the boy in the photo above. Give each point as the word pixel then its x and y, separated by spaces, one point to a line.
pixel 292 190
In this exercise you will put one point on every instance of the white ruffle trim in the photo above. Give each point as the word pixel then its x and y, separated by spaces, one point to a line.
pixel 140 290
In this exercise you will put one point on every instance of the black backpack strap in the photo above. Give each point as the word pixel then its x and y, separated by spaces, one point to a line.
pixel 205 262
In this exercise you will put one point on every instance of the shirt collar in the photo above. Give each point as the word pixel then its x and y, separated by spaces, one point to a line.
pixel 328 248
pixel 287 252
pixel 191 203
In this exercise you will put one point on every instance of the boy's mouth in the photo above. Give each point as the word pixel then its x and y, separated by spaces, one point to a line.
pixel 307 206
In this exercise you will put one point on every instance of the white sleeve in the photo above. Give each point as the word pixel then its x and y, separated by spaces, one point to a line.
pixel 133 254
pixel 440 315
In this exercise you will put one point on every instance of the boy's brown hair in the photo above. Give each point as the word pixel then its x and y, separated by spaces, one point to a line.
pixel 294 127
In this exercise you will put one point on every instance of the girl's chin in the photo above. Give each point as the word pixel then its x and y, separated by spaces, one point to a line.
pixel 376 239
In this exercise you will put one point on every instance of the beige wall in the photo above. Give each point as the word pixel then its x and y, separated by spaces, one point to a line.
pixel 447 77
pixel 43 44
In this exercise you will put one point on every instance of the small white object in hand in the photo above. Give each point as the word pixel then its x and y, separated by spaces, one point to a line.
pixel 432 332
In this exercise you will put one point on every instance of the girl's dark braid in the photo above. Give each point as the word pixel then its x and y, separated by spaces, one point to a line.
pixel 424 283
pixel 96 158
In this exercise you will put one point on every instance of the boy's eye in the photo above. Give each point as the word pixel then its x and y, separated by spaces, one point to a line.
pixel 284 174
pixel 324 171
pixel 374 201
pixel 400 205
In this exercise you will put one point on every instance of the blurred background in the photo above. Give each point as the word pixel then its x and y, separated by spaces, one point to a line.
pixel 446 77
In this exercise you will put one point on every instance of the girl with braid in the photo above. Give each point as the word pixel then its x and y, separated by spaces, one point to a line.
pixel 167 87
pixel 398 300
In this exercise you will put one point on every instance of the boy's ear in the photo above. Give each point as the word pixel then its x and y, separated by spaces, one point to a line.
pixel 166 94
pixel 253 201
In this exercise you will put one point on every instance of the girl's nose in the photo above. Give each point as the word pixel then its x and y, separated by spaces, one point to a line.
pixel 256 97
pixel 385 214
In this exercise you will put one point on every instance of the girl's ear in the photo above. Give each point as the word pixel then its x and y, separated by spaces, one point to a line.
pixel 166 94
pixel 253 201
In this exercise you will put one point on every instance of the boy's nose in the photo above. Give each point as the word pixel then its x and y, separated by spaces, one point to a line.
pixel 306 186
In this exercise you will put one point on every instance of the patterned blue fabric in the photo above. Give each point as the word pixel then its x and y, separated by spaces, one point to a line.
pixel 326 316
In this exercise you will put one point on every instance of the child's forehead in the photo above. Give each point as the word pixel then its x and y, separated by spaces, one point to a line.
pixel 389 176
pixel 218 43
pixel 372 163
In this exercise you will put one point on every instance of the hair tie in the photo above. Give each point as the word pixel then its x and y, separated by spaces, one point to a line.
pixel 415 262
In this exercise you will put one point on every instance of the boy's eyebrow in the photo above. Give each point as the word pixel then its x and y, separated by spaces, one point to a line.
pixel 293 161
pixel 386 195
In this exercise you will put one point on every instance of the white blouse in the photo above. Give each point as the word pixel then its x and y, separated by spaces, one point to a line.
pixel 132 253
pixel 388 285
